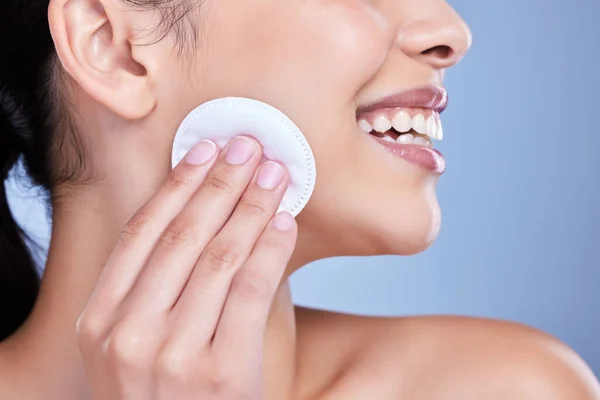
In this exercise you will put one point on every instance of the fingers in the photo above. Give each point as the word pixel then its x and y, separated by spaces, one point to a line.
pixel 234 359
pixel 241 328
pixel 140 235
pixel 119 357
pixel 174 280
pixel 208 286
pixel 185 238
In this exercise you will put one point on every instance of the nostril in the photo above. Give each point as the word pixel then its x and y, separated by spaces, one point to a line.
pixel 442 52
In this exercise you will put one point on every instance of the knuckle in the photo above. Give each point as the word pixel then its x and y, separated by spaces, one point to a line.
pixel 277 245
pixel 218 183
pixel 175 364
pixel 253 208
pixel 178 233
pixel 138 225
pixel 89 330
pixel 128 348
pixel 253 286
pixel 216 383
pixel 178 179
pixel 221 258
pixel 220 378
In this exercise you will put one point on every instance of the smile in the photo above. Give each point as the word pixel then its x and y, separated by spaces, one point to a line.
pixel 403 125
pixel 407 124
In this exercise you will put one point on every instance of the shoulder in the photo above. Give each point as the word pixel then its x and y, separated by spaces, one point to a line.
pixel 447 357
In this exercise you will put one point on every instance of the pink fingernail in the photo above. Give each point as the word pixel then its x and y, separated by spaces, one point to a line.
pixel 284 221
pixel 270 175
pixel 240 150
pixel 202 153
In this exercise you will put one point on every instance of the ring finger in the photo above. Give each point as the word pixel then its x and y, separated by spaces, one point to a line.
pixel 209 284
pixel 182 242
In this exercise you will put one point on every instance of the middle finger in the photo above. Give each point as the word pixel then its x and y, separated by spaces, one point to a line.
pixel 179 247
pixel 209 284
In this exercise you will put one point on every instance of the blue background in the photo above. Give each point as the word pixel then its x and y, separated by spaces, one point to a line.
pixel 520 197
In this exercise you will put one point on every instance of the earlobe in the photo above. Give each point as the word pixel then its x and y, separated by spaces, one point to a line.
pixel 94 48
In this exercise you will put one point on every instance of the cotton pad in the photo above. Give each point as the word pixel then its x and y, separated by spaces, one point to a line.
pixel 223 119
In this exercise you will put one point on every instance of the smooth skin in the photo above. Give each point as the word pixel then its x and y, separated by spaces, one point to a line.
pixel 146 331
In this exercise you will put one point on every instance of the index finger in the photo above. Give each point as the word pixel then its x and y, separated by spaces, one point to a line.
pixel 141 233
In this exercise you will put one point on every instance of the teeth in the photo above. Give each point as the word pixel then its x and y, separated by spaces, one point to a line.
pixel 431 127
pixel 365 126
pixel 382 124
pixel 402 122
pixel 421 141
pixel 418 123
pixel 388 139
pixel 407 138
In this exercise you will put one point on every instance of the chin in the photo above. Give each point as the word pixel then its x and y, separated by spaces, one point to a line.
pixel 355 230
pixel 408 231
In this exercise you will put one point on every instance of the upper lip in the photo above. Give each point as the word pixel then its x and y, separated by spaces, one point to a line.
pixel 431 97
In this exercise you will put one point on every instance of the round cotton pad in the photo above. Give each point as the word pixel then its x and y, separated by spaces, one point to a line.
pixel 223 119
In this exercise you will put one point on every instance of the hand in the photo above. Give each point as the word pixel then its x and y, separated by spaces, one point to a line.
pixel 180 309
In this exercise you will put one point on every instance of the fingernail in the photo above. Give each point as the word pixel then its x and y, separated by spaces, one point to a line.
pixel 202 153
pixel 284 221
pixel 240 150
pixel 270 175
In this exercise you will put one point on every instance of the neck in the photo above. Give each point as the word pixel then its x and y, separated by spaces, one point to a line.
pixel 85 228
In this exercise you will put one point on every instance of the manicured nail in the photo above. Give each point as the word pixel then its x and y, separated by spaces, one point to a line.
pixel 284 221
pixel 270 175
pixel 240 150
pixel 202 153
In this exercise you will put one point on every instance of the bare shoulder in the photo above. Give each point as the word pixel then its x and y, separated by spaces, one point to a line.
pixel 433 358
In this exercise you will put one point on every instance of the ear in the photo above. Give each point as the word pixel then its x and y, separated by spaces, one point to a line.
pixel 93 42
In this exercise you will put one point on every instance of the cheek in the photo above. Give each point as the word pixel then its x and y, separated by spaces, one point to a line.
pixel 323 46
pixel 348 41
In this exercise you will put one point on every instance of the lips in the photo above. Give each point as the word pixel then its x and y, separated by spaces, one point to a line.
pixel 434 98
pixel 425 157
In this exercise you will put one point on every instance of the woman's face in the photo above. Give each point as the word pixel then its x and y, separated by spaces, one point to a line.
pixel 319 61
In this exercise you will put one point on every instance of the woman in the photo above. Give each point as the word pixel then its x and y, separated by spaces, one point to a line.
pixel 191 299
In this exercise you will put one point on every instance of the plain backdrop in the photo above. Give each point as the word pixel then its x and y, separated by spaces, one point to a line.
pixel 520 197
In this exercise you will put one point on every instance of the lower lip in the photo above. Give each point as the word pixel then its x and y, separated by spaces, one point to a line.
pixel 429 159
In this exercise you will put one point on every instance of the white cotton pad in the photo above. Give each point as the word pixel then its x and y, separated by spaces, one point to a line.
pixel 223 119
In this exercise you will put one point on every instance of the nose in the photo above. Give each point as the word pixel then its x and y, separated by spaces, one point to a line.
pixel 441 40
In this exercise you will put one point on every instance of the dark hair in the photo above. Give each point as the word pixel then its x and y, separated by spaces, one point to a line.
pixel 26 49
pixel 35 127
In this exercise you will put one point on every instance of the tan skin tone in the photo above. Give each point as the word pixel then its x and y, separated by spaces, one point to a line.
pixel 317 60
